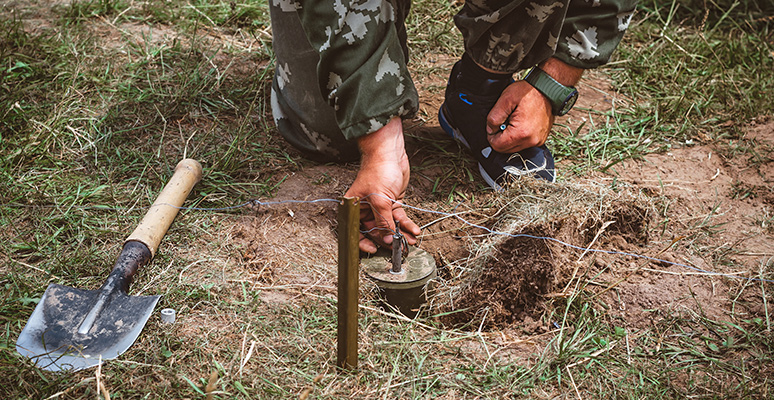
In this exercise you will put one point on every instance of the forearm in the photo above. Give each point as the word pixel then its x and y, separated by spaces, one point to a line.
pixel 385 144
pixel 562 72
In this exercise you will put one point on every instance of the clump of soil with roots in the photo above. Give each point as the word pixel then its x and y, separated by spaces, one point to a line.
pixel 516 273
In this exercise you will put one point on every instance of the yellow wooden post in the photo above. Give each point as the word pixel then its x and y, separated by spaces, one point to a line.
pixel 349 265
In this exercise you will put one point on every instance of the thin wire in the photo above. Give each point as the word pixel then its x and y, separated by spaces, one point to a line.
pixel 182 208
pixel 572 246
pixel 271 203
pixel 445 214
pixel 210 209
pixel 383 228
pixel 254 202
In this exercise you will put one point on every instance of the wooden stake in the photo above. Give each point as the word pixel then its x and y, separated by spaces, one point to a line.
pixel 349 265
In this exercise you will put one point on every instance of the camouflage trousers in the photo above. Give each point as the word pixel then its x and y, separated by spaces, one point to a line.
pixel 341 73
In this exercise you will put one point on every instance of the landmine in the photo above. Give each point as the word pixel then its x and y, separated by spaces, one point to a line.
pixel 407 290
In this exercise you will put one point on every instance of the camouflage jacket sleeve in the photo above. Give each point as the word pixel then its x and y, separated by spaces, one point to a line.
pixel 592 30
pixel 362 70
pixel 512 35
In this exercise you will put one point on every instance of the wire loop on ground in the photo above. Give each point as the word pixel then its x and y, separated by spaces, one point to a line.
pixel 256 202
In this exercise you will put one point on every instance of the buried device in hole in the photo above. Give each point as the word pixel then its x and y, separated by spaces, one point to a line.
pixel 403 281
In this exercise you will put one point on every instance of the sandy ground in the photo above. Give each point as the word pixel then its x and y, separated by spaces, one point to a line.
pixel 700 209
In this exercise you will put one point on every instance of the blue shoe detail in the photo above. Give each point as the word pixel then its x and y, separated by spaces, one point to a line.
pixel 463 117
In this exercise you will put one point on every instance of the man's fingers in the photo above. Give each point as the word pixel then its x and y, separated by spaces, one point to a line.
pixel 498 115
pixel 407 226
pixel 374 229
pixel 501 112
pixel 512 140
pixel 366 244
pixel 383 218
pixel 370 231
pixel 379 218
pixel 373 234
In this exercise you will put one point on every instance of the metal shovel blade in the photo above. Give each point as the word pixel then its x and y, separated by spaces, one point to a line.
pixel 57 339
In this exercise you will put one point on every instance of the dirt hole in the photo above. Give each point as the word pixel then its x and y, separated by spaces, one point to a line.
pixel 519 276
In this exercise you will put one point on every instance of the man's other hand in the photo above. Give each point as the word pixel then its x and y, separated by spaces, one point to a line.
pixel 526 112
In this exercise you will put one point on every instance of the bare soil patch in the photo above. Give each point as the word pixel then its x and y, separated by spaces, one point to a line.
pixel 696 211
pixel 662 244
pixel 275 240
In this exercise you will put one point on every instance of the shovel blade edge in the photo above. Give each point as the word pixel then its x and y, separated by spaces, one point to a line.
pixel 51 338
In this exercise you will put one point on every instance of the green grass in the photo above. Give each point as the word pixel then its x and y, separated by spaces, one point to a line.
pixel 691 71
pixel 89 133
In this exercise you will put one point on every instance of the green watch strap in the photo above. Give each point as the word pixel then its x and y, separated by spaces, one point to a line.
pixel 561 97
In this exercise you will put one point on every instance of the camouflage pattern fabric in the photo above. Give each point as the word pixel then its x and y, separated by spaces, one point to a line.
pixel 361 71
pixel 341 65
pixel 302 115
pixel 509 36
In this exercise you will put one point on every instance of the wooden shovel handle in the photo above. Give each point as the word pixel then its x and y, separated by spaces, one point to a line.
pixel 159 217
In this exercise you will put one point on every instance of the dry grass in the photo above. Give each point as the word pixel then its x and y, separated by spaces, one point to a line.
pixel 100 99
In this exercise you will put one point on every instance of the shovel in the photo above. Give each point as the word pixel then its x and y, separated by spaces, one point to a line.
pixel 73 329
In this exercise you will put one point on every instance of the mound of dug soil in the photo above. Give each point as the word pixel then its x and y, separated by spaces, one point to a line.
pixel 511 283
pixel 519 273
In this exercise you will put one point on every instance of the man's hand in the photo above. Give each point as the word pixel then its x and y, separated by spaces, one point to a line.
pixel 526 112
pixel 383 176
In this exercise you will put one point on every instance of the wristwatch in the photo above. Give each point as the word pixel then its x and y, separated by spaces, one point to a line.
pixel 561 97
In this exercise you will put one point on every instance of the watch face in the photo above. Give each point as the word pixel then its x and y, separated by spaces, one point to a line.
pixel 568 103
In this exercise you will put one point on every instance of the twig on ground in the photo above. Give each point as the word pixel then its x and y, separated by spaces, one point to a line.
pixel 591 244
pixel 763 295
pixel 574 386
pixel 68 390
pixel 98 375
pixel 154 278
pixel 564 292
pixel 35 268
pixel 593 355
pixel 247 357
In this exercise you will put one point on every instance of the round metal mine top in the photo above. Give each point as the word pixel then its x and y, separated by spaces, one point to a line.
pixel 418 267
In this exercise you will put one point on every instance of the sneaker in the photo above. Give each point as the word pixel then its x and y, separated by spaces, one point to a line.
pixel 463 116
